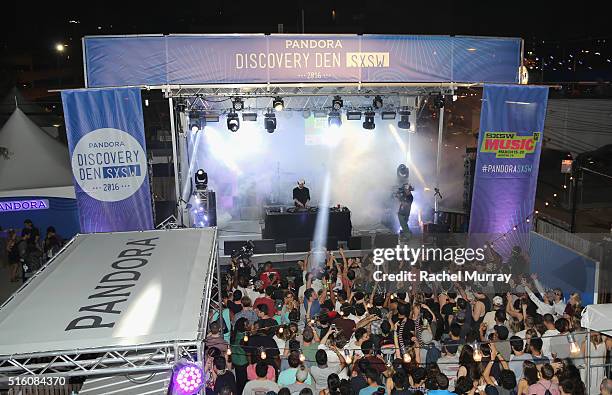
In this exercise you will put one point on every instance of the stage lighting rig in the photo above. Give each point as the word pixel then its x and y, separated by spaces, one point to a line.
pixel 201 179
pixel 334 119
pixel 403 172
pixel 337 103
pixel 196 121
pixel 237 104
pixel 439 101
pixel 377 103
pixel 368 124
pixel 278 104
pixel 404 121
pixel 270 122
pixel 233 122
pixel 187 378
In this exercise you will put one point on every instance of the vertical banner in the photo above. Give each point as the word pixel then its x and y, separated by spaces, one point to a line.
pixel 505 180
pixel 106 139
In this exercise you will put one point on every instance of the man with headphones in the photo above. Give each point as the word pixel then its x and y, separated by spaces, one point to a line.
pixel 301 195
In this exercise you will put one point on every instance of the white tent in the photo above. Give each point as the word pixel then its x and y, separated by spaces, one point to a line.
pixel 38 165
pixel 598 317
pixel 128 289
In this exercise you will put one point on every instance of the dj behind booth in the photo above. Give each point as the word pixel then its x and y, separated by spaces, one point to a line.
pixel 299 222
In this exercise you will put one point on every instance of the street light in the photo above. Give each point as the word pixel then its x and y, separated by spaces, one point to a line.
pixel 60 47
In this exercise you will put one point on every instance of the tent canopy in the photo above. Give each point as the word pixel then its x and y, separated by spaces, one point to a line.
pixel 113 289
pixel 36 160
pixel 598 317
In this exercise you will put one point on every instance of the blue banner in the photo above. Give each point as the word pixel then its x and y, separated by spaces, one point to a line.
pixel 109 162
pixel 505 180
pixel 284 58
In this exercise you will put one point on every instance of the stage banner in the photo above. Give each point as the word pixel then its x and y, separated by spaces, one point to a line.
pixel 505 180
pixel 112 61
pixel 109 162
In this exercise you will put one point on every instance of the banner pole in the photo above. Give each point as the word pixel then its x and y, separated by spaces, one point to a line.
pixel 175 159
pixel 440 132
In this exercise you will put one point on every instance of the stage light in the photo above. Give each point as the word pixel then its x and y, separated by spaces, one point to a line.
pixel 249 116
pixel 353 115
pixel 337 103
pixel 403 172
pixel 270 122
pixel 245 338
pixel 187 378
pixel 368 124
pixel 377 103
pixel 196 122
pixel 60 47
pixel 233 122
pixel 439 101
pixel 237 104
pixel 278 104
pixel 387 115
pixel 201 179
pixel 334 119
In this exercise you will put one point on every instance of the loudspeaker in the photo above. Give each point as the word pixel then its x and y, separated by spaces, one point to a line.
pixel 231 245
pixel 298 245
pixel 332 244
pixel 360 243
pixel 212 208
pixel 385 240
pixel 265 246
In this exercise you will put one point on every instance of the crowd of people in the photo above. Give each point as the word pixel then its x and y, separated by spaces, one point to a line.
pixel 326 328
pixel 27 251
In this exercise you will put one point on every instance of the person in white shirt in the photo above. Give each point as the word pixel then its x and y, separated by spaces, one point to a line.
pixel 354 345
pixel 489 318
pixel 449 363
pixel 556 301
pixel 549 322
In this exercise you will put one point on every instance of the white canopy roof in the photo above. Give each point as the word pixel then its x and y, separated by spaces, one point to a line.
pixel 113 289
pixel 36 160
pixel 598 317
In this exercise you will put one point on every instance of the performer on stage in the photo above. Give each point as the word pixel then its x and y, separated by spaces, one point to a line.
pixel 301 195
pixel 403 213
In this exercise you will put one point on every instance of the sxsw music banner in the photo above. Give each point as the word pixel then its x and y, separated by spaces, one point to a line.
pixel 106 139
pixel 112 61
pixel 505 180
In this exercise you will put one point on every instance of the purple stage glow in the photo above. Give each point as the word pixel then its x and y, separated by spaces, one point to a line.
pixel 188 379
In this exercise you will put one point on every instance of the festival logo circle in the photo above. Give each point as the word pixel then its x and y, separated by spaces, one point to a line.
pixel 109 164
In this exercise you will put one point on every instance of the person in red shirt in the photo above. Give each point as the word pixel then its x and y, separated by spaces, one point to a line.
pixel 269 276
pixel 268 301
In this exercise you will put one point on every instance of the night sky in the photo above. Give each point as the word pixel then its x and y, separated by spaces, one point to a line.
pixel 32 30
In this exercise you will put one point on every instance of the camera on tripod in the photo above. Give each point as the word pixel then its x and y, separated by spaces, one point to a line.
pixel 244 253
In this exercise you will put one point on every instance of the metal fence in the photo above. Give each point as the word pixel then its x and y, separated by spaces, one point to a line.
pixel 575 241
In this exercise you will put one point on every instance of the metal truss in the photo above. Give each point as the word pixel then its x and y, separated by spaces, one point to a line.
pixel 299 97
pixel 168 223
pixel 115 360
pixel 102 361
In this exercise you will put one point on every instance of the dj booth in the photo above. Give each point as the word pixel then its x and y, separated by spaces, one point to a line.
pixel 300 224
